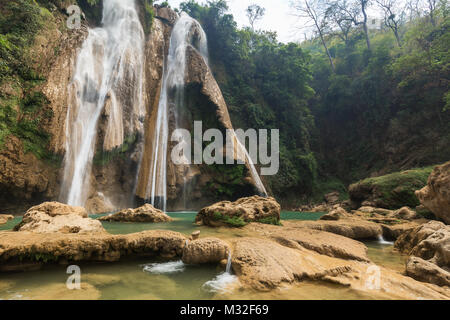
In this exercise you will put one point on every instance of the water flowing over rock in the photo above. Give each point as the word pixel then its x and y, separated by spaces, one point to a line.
pixel 252 209
pixel 108 83
pixel 186 65
pixel 146 213
pixel 54 217
pixel 436 195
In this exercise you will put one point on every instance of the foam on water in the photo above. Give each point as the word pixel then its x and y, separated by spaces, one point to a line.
pixel 165 268
pixel 220 284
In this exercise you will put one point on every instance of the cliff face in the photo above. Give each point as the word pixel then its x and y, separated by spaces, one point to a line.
pixel 121 169
pixel 26 177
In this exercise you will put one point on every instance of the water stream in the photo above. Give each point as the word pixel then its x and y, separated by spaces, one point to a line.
pixel 108 79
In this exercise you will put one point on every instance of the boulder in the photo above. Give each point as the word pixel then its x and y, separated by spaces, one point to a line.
pixel 332 198
pixel 431 243
pixel 336 214
pixel 436 194
pixel 404 213
pixel 425 271
pixel 51 217
pixel 146 213
pixel 392 191
pixel 98 204
pixel 372 210
pixel 4 218
pixel 240 212
pixel 208 250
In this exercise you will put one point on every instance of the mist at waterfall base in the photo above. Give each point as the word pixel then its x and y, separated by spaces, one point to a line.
pixel 108 78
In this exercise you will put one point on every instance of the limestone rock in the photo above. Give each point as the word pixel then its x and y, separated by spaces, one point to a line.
pixel 425 271
pixel 208 250
pixel 335 214
pixel 436 195
pixel 404 213
pixel 332 198
pixel 51 217
pixel 4 218
pixel 146 213
pixel 322 242
pixel 357 229
pixel 263 265
pixel 431 243
pixel 252 209
pixel 40 248
pixel 98 205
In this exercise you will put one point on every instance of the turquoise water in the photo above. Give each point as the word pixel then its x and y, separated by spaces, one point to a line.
pixel 183 223
pixel 151 279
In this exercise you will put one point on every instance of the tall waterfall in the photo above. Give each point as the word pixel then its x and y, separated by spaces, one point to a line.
pixel 185 32
pixel 108 79
pixel 173 79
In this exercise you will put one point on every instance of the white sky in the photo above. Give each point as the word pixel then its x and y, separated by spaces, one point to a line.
pixel 277 17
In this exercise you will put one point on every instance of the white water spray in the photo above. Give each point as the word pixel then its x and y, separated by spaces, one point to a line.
pixel 173 79
pixel 108 78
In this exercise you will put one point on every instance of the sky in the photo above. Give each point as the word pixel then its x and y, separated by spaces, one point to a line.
pixel 277 17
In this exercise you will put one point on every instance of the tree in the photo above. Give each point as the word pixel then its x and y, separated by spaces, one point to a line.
pixel 341 21
pixel 255 13
pixel 356 11
pixel 392 17
pixel 315 11
pixel 432 6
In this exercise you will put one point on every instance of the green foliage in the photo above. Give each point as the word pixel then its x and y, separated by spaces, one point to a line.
pixel 227 181
pixel 270 220
pixel 272 93
pixel 102 158
pixel 398 189
pixel 234 222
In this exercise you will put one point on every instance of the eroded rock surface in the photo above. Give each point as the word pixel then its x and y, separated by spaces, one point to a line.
pixel 208 250
pixel 22 250
pixel 4 218
pixel 436 195
pixel 146 213
pixel 51 217
pixel 431 243
pixel 252 209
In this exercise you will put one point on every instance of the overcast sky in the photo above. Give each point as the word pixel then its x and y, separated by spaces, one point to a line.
pixel 277 17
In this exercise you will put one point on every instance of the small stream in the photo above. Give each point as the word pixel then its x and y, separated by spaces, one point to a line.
pixel 146 279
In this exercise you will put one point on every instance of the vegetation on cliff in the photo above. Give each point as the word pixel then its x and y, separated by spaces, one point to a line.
pixel 380 110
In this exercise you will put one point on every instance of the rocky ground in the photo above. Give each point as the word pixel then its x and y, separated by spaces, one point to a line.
pixel 268 254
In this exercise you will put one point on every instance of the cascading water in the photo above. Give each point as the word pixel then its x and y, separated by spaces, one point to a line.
pixel 173 79
pixel 185 31
pixel 109 79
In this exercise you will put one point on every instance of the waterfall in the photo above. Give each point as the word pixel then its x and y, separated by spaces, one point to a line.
pixel 173 79
pixel 185 32
pixel 108 79
pixel 228 269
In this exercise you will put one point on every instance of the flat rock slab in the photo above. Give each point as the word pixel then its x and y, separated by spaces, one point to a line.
pixel 264 265
pixel 22 250
pixel 322 242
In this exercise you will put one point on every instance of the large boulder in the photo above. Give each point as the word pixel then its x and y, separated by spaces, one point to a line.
pixel 208 250
pixel 426 271
pixel 240 212
pixel 146 213
pixel 51 217
pixel 431 243
pixel 436 195
pixel 392 191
